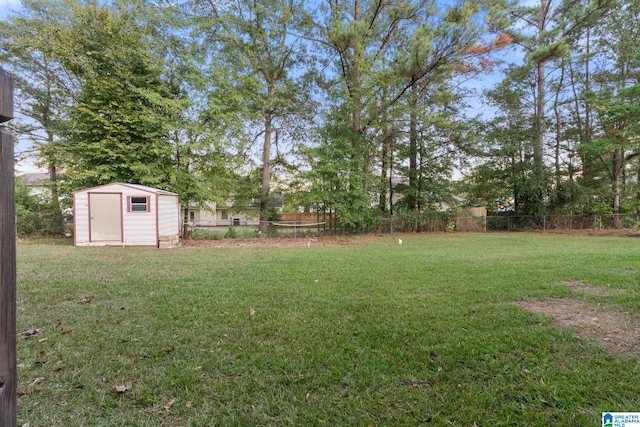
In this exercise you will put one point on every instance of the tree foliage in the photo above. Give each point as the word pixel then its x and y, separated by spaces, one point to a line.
pixel 358 108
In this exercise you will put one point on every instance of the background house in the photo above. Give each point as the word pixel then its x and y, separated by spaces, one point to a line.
pixel 226 215
pixel 126 215
pixel 37 184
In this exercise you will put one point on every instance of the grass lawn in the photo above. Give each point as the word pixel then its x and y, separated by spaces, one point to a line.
pixel 423 333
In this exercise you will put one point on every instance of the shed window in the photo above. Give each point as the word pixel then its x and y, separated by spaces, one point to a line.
pixel 138 204
pixel 225 215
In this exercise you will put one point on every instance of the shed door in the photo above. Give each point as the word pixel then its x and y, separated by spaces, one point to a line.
pixel 105 214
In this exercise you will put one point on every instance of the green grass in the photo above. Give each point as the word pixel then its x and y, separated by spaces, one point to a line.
pixel 419 334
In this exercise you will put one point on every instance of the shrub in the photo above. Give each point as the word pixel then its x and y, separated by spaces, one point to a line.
pixel 35 218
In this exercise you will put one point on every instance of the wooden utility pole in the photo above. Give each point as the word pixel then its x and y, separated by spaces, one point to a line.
pixel 8 376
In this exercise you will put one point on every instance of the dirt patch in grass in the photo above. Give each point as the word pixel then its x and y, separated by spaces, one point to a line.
pixel 599 291
pixel 280 242
pixel 610 328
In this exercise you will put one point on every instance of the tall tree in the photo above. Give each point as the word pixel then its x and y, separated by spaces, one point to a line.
pixel 388 56
pixel 261 38
pixel 502 178
pixel 617 99
pixel 44 88
pixel 122 114
pixel 545 34
pixel 201 162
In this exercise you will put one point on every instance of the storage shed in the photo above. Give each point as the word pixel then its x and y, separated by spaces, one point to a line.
pixel 126 215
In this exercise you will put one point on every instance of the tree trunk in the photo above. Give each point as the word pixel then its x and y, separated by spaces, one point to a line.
pixel 514 181
pixel 382 204
pixel 638 181
pixel 537 205
pixel 558 129
pixel 616 160
pixel 412 197
pixel 266 163
pixel 539 135
pixel 55 199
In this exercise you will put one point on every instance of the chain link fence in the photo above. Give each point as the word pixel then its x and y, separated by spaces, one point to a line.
pixel 433 222
pixel 450 222
pixel 562 222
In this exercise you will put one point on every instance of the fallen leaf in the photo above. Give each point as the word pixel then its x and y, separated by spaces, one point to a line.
pixel 169 404
pixel 252 312
pixel 122 388
pixel 42 339
pixel 30 332
pixel 35 381
pixel 85 301
pixel 189 404
pixel 70 331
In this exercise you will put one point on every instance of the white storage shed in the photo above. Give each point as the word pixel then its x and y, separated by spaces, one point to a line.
pixel 126 215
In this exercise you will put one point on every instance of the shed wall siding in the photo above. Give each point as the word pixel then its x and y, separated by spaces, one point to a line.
pixel 168 215
pixel 81 218
pixel 140 227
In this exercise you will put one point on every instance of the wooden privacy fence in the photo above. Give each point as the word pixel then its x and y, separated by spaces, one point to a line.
pixel 471 219
pixel 304 217
pixel 322 220
pixel 8 377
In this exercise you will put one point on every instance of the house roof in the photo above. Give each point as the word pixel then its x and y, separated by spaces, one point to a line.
pixel 399 180
pixel 35 179
pixel 136 186
pixel 275 201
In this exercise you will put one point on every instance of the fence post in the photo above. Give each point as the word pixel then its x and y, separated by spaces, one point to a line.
pixel 8 376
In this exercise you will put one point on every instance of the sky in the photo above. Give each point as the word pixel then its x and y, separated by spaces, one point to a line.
pixel 7 5
pixel 25 166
